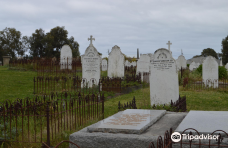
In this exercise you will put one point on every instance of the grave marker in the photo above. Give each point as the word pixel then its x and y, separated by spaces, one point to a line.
pixel 164 85
pixel 116 63
pixel 104 65
pixel 181 62
pixel 143 64
pixel 210 72
pixel 91 62
pixel 66 57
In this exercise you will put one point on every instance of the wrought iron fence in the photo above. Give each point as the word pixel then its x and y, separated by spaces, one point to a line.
pixel 190 84
pixel 128 105
pixel 48 85
pixel 44 118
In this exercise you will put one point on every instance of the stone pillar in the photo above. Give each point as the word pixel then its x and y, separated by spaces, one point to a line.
pixel 6 60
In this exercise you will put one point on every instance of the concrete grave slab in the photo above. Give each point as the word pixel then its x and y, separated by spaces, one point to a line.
pixel 85 139
pixel 130 121
pixel 205 122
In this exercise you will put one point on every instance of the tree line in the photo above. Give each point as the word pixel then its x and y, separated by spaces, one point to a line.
pixel 39 44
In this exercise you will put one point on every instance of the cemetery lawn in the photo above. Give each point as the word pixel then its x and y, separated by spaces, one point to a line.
pixel 15 84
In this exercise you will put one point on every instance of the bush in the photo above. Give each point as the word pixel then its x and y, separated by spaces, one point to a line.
pixel 200 69
pixel 188 65
pixel 222 72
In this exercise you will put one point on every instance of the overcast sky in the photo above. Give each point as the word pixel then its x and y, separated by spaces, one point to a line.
pixel 190 25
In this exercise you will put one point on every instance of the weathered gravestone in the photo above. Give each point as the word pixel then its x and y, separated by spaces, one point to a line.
pixel 91 62
pixel 104 65
pixel 66 57
pixel 181 62
pixel 143 64
pixel 127 63
pixel 210 72
pixel 6 60
pixel 116 63
pixel 163 78
pixel 193 66
pixel 226 66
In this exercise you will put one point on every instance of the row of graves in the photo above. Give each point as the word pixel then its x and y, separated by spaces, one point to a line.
pixel 59 112
pixel 158 128
pixel 118 74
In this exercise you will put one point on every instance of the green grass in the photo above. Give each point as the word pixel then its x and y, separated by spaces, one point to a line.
pixel 15 84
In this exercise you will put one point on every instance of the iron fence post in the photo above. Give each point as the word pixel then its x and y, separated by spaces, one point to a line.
pixel 48 128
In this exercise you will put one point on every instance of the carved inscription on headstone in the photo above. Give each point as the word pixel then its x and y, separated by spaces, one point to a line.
pixel 162 64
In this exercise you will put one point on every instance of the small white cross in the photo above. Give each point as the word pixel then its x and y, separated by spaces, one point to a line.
pixel 91 38
pixel 169 44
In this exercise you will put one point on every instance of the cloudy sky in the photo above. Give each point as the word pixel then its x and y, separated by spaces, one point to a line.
pixel 190 25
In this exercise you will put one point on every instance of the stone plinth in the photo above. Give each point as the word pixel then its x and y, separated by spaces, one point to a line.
pixel 6 60
pixel 130 121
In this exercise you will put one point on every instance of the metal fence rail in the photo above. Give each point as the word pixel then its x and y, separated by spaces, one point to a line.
pixel 208 84
pixel 44 118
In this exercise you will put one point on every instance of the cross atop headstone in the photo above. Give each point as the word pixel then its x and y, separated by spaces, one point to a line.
pixel 169 44
pixel 91 38
pixel 181 52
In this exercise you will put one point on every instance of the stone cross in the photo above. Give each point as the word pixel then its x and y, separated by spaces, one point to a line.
pixel 181 52
pixel 169 44
pixel 91 38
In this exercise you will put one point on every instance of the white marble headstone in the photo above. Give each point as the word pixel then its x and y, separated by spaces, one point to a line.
pixel 104 65
pixel 226 66
pixel 181 62
pixel 127 63
pixel 116 63
pixel 210 72
pixel 193 66
pixel 164 85
pixel 91 62
pixel 66 57
pixel 143 64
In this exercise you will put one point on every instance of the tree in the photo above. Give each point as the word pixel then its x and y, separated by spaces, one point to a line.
pixel 37 43
pixel 74 46
pixel 225 50
pixel 11 42
pixel 60 39
pixel 209 52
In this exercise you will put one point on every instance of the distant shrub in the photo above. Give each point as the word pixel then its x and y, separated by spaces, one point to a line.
pixel 200 69
pixel 188 65
pixel 222 72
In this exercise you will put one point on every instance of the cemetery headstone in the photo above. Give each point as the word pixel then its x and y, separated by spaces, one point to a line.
pixel 143 64
pixel 210 72
pixel 193 66
pixel 104 65
pixel 181 62
pixel 0 63
pixel 116 63
pixel 221 62
pixel 6 60
pixel 127 63
pixel 226 66
pixel 164 85
pixel 91 62
pixel 66 57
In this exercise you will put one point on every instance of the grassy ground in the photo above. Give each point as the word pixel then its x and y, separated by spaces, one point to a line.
pixel 15 84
